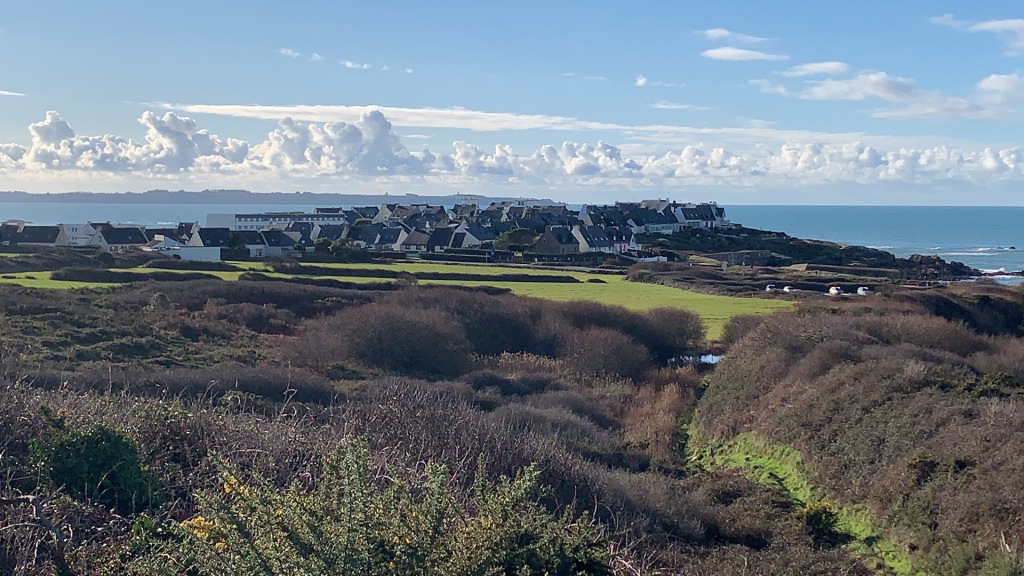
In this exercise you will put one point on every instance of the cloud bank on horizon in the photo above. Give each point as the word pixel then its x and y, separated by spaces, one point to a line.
pixel 367 150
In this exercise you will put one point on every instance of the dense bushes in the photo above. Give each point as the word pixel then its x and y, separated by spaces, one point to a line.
pixel 362 521
pixel 99 465
pixel 911 416
pixel 592 338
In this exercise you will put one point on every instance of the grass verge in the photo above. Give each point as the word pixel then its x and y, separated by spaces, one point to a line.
pixel 783 466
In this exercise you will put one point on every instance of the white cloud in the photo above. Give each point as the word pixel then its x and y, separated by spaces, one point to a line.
pixel 1012 30
pixel 368 151
pixel 314 57
pixel 1000 88
pixel 815 68
pixel 354 65
pixel 666 105
pixel 733 54
pixel 769 87
pixel 948 21
pixel 641 80
pixel 864 85
pixel 594 78
pixel 6 93
pixel 408 70
pixel 289 52
pixel 938 107
pixel 725 35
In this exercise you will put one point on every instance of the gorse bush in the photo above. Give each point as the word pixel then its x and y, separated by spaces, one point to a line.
pixel 99 465
pixel 359 520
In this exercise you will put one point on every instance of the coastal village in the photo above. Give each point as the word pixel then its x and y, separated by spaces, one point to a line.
pixel 501 231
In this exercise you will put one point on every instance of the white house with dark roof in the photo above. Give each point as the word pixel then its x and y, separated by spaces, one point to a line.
pixel 118 239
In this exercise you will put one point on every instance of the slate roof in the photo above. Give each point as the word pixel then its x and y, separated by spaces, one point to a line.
pixel 35 235
pixel 439 237
pixel 416 238
pixel 122 236
pixel 332 231
pixel 388 237
pixel 214 237
pixel 595 237
pixel 278 239
pixel 250 237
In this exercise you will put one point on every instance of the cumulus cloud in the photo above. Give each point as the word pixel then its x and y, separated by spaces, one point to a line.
pixel 816 68
pixel 354 65
pixel 641 80
pixel 172 144
pixel 865 85
pixel 7 93
pixel 368 150
pixel 725 35
pixel 732 54
pixel 1000 88
pixel 314 57
pixel 289 53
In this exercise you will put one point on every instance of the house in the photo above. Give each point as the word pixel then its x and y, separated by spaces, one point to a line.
pixel 253 242
pixel 557 241
pixel 475 234
pixel 118 239
pixel 622 239
pixel 28 235
pixel 415 241
pixel 440 238
pixel 389 239
pixel 75 235
pixel 164 244
pixel 592 239
pixel 706 215
pixel 281 243
pixel 210 238
pixel 332 232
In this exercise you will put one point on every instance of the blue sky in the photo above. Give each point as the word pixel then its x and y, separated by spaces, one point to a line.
pixel 784 102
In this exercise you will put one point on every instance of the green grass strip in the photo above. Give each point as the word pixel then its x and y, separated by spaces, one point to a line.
pixel 783 466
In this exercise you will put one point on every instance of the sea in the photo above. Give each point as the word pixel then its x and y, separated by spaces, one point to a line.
pixel 988 238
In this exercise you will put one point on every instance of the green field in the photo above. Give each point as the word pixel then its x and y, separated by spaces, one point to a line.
pixel 613 289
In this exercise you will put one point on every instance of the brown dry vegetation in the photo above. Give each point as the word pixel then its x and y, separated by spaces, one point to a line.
pixel 911 404
pixel 268 379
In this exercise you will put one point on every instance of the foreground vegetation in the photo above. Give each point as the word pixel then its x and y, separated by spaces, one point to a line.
pixel 324 419
pixel 279 428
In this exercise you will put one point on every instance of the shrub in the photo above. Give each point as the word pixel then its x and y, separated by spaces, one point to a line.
pixel 672 333
pixel 361 521
pixel 407 340
pixel 100 465
pixel 599 351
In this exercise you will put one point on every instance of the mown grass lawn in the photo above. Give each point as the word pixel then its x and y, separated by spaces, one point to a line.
pixel 610 289
pixel 42 280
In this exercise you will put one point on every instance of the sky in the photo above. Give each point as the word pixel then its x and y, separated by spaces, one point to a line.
pixel 784 102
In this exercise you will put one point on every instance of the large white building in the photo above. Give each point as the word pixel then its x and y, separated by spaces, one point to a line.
pixel 265 220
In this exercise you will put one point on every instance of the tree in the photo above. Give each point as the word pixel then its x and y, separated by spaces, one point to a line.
pixel 516 239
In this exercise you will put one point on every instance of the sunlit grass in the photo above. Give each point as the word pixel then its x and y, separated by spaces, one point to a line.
pixel 611 289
